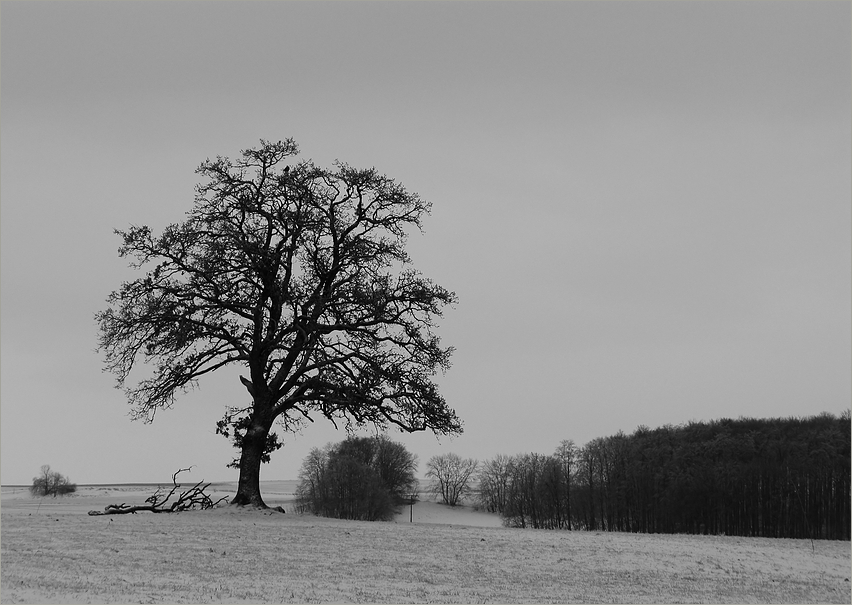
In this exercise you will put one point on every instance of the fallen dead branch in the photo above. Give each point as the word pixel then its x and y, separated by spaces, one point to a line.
pixel 193 498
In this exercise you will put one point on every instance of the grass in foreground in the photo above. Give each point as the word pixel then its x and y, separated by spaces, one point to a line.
pixel 230 556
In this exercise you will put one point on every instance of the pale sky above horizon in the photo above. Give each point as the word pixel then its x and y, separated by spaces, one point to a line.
pixel 645 208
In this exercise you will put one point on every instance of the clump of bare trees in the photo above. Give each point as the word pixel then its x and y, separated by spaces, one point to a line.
pixel 362 478
pixel 538 493
pixel 494 483
pixel 451 476
pixel 51 483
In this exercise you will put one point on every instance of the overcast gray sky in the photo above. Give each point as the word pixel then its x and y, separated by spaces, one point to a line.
pixel 644 207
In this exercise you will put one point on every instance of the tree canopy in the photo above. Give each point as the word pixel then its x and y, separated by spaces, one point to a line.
pixel 300 275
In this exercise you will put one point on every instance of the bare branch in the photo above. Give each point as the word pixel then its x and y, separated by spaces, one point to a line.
pixel 194 498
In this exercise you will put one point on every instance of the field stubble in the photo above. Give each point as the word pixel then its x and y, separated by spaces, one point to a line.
pixel 58 554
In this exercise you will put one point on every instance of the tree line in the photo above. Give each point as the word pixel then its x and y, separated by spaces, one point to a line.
pixel 781 477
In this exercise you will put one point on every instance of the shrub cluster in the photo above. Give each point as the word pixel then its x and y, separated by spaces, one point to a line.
pixel 362 478
pixel 51 483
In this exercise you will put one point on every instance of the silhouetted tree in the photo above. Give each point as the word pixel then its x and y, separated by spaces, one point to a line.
pixel 566 453
pixel 51 483
pixel 494 478
pixel 298 274
pixel 451 476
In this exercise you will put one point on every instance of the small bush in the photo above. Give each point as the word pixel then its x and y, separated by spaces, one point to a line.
pixel 51 483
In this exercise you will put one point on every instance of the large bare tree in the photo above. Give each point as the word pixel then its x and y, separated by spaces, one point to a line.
pixel 300 275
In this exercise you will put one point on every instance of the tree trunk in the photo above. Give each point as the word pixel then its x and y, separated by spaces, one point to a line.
pixel 248 492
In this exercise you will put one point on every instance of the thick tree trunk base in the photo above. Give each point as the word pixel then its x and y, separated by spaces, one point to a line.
pixel 248 488
pixel 252 506
pixel 243 501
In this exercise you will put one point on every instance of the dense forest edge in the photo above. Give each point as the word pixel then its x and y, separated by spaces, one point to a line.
pixel 778 477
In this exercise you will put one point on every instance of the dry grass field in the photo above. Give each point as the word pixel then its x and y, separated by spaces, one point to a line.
pixel 53 552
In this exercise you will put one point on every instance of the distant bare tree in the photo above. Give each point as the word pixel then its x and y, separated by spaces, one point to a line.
pixel 451 476
pixel 51 483
pixel 566 453
pixel 494 481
